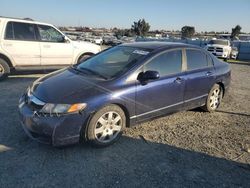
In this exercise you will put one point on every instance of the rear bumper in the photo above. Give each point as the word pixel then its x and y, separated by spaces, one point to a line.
pixel 53 130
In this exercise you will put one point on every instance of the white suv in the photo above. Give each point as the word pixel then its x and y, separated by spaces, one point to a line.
pixel 220 48
pixel 30 45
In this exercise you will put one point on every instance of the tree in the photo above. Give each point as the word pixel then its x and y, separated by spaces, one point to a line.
pixel 235 32
pixel 129 33
pixel 123 32
pixel 187 32
pixel 140 28
pixel 119 33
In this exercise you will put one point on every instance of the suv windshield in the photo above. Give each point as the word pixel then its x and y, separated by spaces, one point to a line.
pixel 219 42
pixel 112 62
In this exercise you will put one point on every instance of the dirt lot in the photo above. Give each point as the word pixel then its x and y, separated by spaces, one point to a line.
pixel 191 148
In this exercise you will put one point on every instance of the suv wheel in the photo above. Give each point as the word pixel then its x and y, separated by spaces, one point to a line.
pixel 84 57
pixel 4 69
pixel 106 126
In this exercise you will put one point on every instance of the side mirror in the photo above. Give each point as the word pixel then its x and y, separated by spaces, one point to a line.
pixel 148 75
pixel 64 39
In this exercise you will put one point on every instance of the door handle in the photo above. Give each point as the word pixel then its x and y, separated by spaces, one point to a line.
pixel 209 73
pixel 7 44
pixel 178 80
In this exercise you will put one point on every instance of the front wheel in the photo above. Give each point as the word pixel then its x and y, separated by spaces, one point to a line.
pixel 84 57
pixel 214 98
pixel 4 69
pixel 106 126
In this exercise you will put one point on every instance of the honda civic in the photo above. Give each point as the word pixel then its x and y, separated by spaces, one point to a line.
pixel 98 98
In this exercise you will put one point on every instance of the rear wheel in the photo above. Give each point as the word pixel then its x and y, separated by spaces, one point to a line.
pixel 4 69
pixel 106 126
pixel 214 98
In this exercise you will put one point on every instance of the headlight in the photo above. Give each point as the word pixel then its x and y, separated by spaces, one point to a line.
pixel 62 108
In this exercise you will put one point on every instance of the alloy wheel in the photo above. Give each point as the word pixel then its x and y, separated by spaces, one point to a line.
pixel 108 126
pixel 215 98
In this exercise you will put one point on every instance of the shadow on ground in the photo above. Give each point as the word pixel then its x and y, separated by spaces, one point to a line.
pixel 129 163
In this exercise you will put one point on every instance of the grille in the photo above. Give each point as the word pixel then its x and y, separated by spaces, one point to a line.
pixel 210 48
pixel 219 49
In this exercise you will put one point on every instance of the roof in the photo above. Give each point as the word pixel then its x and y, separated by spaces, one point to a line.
pixel 157 45
pixel 25 20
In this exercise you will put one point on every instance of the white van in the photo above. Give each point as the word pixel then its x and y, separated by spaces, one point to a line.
pixel 31 45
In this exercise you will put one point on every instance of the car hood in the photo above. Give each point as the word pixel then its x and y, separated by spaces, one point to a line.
pixel 67 86
pixel 82 45
pixel 217 45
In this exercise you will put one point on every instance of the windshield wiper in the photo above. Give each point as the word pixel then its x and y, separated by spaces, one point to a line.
pixel 93 72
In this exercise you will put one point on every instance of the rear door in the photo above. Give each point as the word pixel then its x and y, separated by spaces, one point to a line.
pixel 164 95
pixel 200 77
pixel 21 44
pixel 54 49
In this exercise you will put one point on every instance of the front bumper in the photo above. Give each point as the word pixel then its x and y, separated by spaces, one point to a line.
pixel 55 130
pixel 220 54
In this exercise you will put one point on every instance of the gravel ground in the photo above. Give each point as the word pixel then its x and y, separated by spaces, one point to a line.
pixel 191 148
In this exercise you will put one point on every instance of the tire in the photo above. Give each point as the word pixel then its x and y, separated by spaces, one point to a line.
pixel 214 99
pixel 4 69
pixel 83 57
pixel 227 58
pixel 106 126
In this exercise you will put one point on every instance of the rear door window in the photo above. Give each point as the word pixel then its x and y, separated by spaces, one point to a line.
pixel 166 63
pixel 24 31
pixel 209 61
pixel 196 59
pixel 20 31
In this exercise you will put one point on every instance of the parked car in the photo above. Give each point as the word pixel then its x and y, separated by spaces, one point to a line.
pixel 26 45
pixel 120 87
pixel 234 53
pixel 220 48
pixel 97 40
pixel 111 41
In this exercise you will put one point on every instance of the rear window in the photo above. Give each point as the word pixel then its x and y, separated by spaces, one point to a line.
pixel 20 31
pixel 196 59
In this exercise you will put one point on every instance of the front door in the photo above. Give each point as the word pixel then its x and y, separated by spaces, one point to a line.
pixel 164 95
pixel 54 49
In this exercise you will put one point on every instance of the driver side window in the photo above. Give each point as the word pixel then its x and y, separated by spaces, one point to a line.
pixel 49 34
pixel 166 63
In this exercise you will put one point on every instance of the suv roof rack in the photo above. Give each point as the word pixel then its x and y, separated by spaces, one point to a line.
pixel 28 19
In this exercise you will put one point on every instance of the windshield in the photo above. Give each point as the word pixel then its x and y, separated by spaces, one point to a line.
pixel 219 42
pixel 112 62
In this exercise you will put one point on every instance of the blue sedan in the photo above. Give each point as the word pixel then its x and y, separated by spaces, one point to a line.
pixel 95 100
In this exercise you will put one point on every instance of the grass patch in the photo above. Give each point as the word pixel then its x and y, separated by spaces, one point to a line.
pixel 238 61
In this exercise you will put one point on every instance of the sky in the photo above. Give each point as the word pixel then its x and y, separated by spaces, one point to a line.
pixel 204 15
